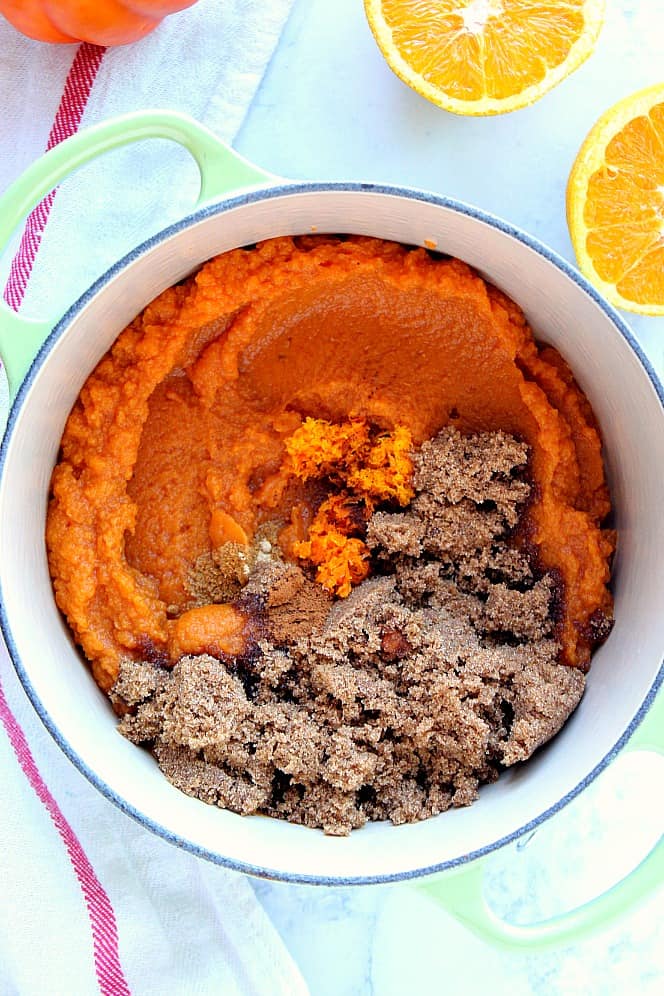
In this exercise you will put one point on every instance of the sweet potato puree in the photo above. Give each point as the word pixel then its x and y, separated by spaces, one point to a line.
pixel 177 441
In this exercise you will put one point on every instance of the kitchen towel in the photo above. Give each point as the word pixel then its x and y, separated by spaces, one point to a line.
pixel 91 901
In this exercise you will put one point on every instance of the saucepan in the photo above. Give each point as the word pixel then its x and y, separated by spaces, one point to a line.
pixel 47 363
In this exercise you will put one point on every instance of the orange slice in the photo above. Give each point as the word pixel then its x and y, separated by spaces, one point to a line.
pixel 615 203
pixel 484 56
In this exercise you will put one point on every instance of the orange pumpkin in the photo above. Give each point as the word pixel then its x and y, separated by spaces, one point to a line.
pixel 102 22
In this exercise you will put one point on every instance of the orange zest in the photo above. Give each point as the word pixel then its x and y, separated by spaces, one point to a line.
pixel 342 559
pixel 484 56
pixel 615 203
pixel 322 449
pixel 387 469
pixel 368 469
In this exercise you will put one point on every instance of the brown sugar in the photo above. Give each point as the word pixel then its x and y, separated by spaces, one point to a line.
pixel 396 702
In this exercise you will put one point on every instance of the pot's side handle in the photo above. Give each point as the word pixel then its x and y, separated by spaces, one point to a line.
pixel 460 891
pixel 222 170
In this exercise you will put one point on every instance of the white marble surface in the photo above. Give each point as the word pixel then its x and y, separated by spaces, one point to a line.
pixel 329 108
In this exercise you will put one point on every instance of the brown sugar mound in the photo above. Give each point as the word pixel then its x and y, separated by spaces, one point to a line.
pixel 396 702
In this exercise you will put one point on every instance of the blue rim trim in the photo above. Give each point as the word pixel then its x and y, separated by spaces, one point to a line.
pixel 222 207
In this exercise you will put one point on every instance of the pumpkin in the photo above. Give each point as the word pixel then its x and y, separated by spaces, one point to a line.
pixel 101 22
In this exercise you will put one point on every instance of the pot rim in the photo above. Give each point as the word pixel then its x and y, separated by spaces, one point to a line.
pixel 220 207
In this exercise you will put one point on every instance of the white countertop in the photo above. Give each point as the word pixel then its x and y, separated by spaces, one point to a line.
pixel 329 108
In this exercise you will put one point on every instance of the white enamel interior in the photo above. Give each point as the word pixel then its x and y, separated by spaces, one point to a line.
pixel 632 421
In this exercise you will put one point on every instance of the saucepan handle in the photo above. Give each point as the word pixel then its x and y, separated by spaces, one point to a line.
pixel 222 170
pixel 460 891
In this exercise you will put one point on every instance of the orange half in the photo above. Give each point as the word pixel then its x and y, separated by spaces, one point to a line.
pixel 484 56
pixel 615 203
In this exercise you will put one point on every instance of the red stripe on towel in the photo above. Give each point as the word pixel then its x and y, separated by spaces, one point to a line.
pixel 78 85
pixel 110 976
pixel 102 918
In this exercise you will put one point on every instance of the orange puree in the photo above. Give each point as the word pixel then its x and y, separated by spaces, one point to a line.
pixel 211 629
pixel 177 442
